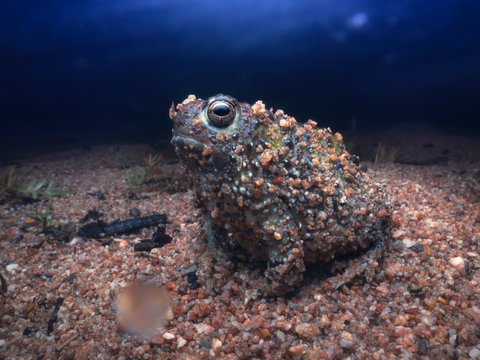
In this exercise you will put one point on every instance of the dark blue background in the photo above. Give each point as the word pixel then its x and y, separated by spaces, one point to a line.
pixel 91 70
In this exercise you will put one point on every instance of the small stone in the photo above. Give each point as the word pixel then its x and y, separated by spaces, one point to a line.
pixel 345 344
pixel 458 263
pixel 474 353
pixel 400 320
pixel 264 333
pixel 295 349
pixel 398 234
pixel 347 341
pixel 157 340
pixel 207 330
pixel 408 243
pixel 123 243
pixel 216 343
pixel 281 335
pixel 284 325
pixel 417 248
pixel 382 213
pixel 307 330
pixel 324 321
pixel 74 241
pixel 84 351
pixel 12 267
pixel 168 336
pixel 141 350
pixel 181 342
pixel 2 342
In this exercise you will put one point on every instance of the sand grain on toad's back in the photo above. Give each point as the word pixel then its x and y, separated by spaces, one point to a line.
pixel 283 192
pixel 423 303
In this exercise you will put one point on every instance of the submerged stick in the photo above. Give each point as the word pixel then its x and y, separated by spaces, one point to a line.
pixel 99 229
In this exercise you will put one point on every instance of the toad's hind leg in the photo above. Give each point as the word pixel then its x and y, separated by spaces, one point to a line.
pixel 366 266
pixel 285 263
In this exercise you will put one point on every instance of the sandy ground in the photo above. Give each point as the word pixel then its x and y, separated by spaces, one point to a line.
pixel 424 302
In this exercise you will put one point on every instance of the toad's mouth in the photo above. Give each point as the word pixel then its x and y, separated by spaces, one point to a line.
pixel 188 143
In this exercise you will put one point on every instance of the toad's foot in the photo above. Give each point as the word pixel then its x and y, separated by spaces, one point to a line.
pixel 365 266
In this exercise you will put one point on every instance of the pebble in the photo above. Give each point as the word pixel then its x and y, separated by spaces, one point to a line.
pixel 458 263
pixel 12 267
pixel 307 330
pixel 324 321
pixel 123 243
pixel 474 353
pixel 216 343
pixel 295 349
pixel 345 344
pixel 347 340
pixel 398 234
pixel 181 342
pixel 400 320
pixel 74 241
pixel 408 243
pixel 281 335
pixel 445 330
pixel 84 351
pixel 168 336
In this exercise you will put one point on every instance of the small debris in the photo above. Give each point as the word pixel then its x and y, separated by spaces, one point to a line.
pixel 99 229
pixel 192 280
pixel 134 212
pixel 132 225
pixel 17 239
pixel 422 347
pixel 3 291
pixel 57 234
pixel 92 214
pixel 417 248
pixel 53 317
pixel 92 230
pixel 29 330
pixel 159 239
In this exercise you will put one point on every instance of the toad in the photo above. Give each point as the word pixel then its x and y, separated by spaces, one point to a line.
pixel 278 191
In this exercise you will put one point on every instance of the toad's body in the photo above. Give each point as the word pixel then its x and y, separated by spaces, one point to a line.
pixel 279 191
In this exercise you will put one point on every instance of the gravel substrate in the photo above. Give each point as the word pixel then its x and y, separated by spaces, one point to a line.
pixel 424 302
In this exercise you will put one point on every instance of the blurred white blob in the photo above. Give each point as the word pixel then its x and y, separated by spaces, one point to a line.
pixel 358 20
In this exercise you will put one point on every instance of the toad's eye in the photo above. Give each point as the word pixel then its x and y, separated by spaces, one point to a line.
pixel 221 113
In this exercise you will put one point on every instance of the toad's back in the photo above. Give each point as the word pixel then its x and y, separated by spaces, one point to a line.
pixel 274 189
